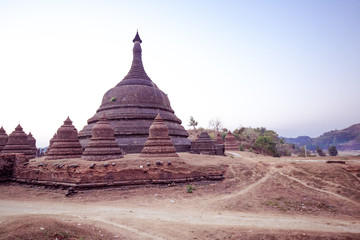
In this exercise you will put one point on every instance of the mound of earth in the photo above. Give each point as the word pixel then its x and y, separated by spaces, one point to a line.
pixel 35 227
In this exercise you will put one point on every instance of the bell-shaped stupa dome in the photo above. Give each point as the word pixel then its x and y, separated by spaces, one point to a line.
pixel 18 143
pixel 102 145
pixel 66 144
pixel 158 143
pixel 131 107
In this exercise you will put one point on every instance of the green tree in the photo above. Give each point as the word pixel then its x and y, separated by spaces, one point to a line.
pixel 332 151
pixel 192 123
pixel 266 144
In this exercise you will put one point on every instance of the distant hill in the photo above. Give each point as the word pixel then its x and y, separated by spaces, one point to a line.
pixel 346 139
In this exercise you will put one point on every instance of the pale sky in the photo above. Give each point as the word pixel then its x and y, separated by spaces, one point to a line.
pixel 290 66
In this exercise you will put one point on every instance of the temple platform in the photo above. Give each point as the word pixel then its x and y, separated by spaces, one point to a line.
pixel 129 170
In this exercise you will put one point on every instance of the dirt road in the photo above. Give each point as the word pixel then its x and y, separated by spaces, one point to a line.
pixel 149 221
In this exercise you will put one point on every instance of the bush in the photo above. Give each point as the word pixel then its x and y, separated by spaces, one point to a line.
pixel 320 152
pixel 190 188
pixel 301 152
pixel 241 147
pixel 267 145
pixel 332 151
pixel 223 135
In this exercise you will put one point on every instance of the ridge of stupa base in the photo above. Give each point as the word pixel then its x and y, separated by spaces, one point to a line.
pixel 136 144
pixel 132 169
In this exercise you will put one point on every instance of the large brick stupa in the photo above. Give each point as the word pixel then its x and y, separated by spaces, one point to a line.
pixel 131 107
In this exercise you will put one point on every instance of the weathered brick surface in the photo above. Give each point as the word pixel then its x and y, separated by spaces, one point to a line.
pixel 116 172
pixel 9 163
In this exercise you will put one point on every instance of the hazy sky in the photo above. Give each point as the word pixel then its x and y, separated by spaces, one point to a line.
pixel 290 66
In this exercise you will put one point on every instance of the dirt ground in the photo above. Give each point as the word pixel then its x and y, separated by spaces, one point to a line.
pixel 260 198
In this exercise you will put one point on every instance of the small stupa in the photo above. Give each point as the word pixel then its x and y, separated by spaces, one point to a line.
pixel 203 144
pixel 18 143
pixel 102 145
pixel 32 143
pixel 3 138
pixel 51 143
pixel 66 144
pixel 158 143
pixel 131 107
pixel 231 142
pixel 218 139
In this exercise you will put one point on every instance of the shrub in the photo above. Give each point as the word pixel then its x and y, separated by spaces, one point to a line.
pixel 241 147
pixel 332 151
pixel 320 152
pixel 113 99
pixel 223 135
pixel 267 145
pixel 301 152
pixel 190 188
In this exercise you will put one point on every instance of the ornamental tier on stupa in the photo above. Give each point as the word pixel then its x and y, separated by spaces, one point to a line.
pixel 131 107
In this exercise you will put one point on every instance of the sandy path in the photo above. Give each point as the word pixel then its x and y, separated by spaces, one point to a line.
pixel 143 222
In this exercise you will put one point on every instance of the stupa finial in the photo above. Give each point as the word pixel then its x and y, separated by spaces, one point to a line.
pixel 137 37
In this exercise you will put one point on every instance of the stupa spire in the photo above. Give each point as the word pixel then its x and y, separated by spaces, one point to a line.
pixel 137 72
